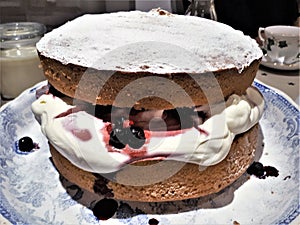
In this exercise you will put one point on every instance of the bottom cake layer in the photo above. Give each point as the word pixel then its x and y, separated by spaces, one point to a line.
pixel 158 181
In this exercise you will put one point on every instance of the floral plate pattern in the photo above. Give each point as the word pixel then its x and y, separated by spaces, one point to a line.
pixel 31 192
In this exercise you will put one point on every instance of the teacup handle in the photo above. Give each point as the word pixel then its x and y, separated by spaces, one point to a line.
pixel 260 31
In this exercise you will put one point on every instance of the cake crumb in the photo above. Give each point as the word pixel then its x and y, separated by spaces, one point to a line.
pixel 236 223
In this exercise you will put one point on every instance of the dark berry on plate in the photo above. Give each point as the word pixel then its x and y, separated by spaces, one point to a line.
pixel 26 144
pixel 153 221
pixel 271 171
pixel 105 208
pixel 136 137
pixel 257 169
pixel 117 138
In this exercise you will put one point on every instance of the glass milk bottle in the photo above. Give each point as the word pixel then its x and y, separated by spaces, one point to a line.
pixel 19 61
pixel 202 8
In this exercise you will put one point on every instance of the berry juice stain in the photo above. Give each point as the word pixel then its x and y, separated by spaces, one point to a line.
pixel 82 134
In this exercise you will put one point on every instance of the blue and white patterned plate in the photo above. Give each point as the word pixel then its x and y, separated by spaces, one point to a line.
pixel 31 193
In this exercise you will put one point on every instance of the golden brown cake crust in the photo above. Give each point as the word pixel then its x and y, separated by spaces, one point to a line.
pixel 188 182
pixel 102 87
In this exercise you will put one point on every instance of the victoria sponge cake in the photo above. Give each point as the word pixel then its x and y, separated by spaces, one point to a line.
pixel 157 106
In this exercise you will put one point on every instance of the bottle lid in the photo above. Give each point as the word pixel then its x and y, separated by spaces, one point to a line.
pixel 20 33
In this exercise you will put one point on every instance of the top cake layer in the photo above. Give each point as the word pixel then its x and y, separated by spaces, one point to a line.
pixel 156 42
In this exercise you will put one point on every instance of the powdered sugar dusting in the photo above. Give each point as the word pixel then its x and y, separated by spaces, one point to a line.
pixel 154 42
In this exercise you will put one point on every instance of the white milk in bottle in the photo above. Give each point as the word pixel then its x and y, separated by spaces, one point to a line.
pixel 19 61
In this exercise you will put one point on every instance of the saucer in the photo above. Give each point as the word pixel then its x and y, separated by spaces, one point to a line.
pixel 267 62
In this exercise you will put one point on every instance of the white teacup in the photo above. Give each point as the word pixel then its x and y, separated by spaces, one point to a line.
pixel 281 43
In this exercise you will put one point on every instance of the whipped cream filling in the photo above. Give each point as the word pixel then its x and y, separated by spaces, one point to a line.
pixel 83 138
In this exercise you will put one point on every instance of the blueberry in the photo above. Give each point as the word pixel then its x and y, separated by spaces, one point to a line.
pixel 153 221
pixel 116 138
pixel 256 169
pixel 118 124
pixel 26 144
pixel 105 208
pixel 133 136
pixel 136 137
